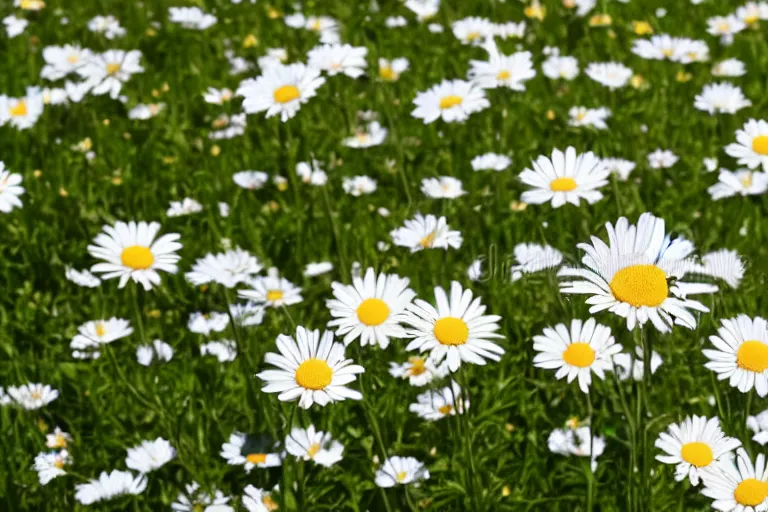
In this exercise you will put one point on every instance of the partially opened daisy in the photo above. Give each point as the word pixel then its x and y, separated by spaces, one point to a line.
pixel 585 348
pixel 693 444
pixel 751 146
pixel 272 290
pixel 741 353
pixel 400 471
pixel 567 177
pixel 456 330
pixel 737 485
pixel 317 446
pixel 450 100
pixel 280 90
pixel 250 452
pixel 638 275
pixel 310 368
pixel 131 251
pixel 371 308
pixel 427 232
pixel 436 404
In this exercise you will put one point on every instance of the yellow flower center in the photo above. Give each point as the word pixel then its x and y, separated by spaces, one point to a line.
pixel 373 312
pixel 386 73
pixel 473 36
pixel 59 441
pixel 73 59
pixel 32 4
pixel 750 492
pixel 445 409
pixel 579 354
pixel 667 52
pixel 696 453
pixel 746 180
pixel 269 503
pixel 198 508
pixel 274 295
pixel 59 463
pixel 450 101
pixel 313 450
pixel 401 476
pixel 760 144
pixel 256 458
pixel 100 330
pixel 137 257
pixel 36 395
pixel 20 110
pixel 113 68
pixel 314 374
pixel 751 19
pixel 417 366
pixel 753 356
pixel 451 331
pixel 428 240
pixel 286 93
pixel 562 184
pixel 640 285
pixel 503 75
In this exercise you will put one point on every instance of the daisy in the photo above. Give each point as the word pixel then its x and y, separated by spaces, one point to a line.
pixel 371 308
pixel 427 232
pixel 228 127
pixel 223 350
pixel 60 61
pixel 206 323
pixel 532 258
pixel 142 112
pixel 217 96
pixel 22 113
pixel 395 22
pixel 594 117
pixel 752 12
pixel 51 465
pixel 610 74
pixel 450 100
pixel 509 30
pixel 473 30
pixel 751 146
pixel 131 252
pixel 373 135
pixel 400 470
pixel 58 439
pixel 14 26
pixel 584 6
pixel 724 264
pixel 694 444
pixel 419 370
pixel 565 178
pixel 33 396
pixel 109 486
pixel 741 353
pixel 317 269
pixel 250 452
pixel 390 70
pixel 721 98
pixel 618 166
pixel 106 72
pixel 693 51
pixel 631 276
pixel 30 5
pixel 194 500
pixel 311 173
pixel 743 182
pixel 457 330
pixel 475 270
pixel 160 349
pixel 150 455
pixel 272 290
pixel 436 404
pixel 423 9
pixel 729 67
pixel 710 164
pixel 491 161
pixel 317 446
pixel 560 67
pixel 10 190
pixel 628 365
pixel 250 180
pixel 759 425
pixel 662 159
pixel 442 187
pixel 511 71
pixel 191 17
pixel 107 25
pixel 577 441
pixel 187 206
pixel 339 58
pixel 229 268
pixel 357 186
pixel 725 27
pixel 310 368
pixel 258 500
pixel 738 485
pixel 280 90
pixel 98 332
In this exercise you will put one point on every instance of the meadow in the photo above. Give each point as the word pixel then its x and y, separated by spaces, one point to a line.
pixel 319 173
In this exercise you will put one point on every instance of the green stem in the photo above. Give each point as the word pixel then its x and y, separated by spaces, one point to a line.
pixel 589 474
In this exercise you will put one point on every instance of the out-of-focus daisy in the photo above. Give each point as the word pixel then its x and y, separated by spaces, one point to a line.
pixel 258 500
pixel 475 270
pixel 186 206
pixel 628 365
pixel 565 178
pixel 223 350
pixel 14 26
pixel 721 98
pixel 228 127
pixel 109 486
pixel 729 67
pixel 751 146
pixel 373 135
pixel 610 74
pixel 400 471
pixel 576 441
pixel 60 61
pixel 272 290
pixel 22 113
pixel 450 100
pixel 427 232
pixel 473 30
pixel 435 28
pixel 371 308
pixel 30 5
pixel 759 425
pixel 662 159
pixel 741 353
pixel 618 166
pixel 106 72
pixel 395 22
pixel 419 370
pixel 131 252
pixel 659 47
pixel 98 332
pixel 58 439
pixel 191 17
pixel 150 455
pixel 737 485
pixel 143 112
pixel 159 349
pixel 724 264
pixel 217 96
pixel 206 323
pixel 33 395
pixel 743 182
pixel 10 189
pixel 250 180
pixel 317 269
pixel 436 404
pixel 339 58
pixel 442 187
pixel 107 25
pixel 725 27
pixel 280 90
pixel 560 66
pixel 456 330
pixel 82 278
pixel 491 161
pixel 532 258
pixel 317 446
pixel 311 173
pixel 752 12
pixel 193 499
pixel 509 30
pixel 390 70
pixel 694 444
pixel 710 164
pixel 423 9
pixel 229 268
pixel 51 465
pixel 357 186
pixel 583 116
pixel 511 71
pixel 247 314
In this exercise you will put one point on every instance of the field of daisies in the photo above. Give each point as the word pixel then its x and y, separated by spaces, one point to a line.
pixel 383 255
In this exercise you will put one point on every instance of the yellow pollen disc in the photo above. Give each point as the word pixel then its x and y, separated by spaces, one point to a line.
pixel 751 19
pixel 256 458
pixel 373 312
pixel 760 144
pixel 503 75
pixel 640 285
pixel 313 450
pixel 60 441
pixel 269 503
pixel 450 101
pixel 473 36
pixel 59 463
pixel 753 356
pixel 451 331
pixel 137 257
pixel 113 68
pixel 750 492
pixel 73 59
pixel 401 476
pixel 562 184
pixel 579 354
pixel 20 110
pixel 286 93
pixel 667 52
pixel 36 395
pixel 428 240
pixel 314 374
pixel 445 409
pixel 100 330
pixel 274 295
pixel 698 454
pixel 417 366
pixel 198 508
pixel 386 73
pixel 746 180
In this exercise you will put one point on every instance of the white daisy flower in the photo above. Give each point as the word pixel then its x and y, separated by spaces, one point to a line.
pixel 710 164
pixel 14 26
pixel 752 12
pixel 423 9
pixel 339 58
pixel 22 113
pixel 223 350
pixel 317 269
pixel 395 22
pixel 258 500
pixel 694 444
pixel 109 486
pixel 193 499
pixel 693 51
pixel 491 161
pixel 107 25
pixel 373 135
pixel 206 323
pixel 759 425
pixel 229 268
pixel 725 27
pixel 442 187
pixel 576 441
pixel 357 186
pixel 98 332
pixel 740 183
pixel 473 30
pixel 390 70
pixel 427 232
pixel 610 74
pixel 150 455
pixel 594 117
pixel 560 67
pixel 30 5
pixel 456 330
pixel 509 30
pixel 510 71
pixel 10 190
pixel 60 61
pixel 217 96
pixel 317 446
pixel 191 17
pixel 250 452
pixel 142 112
pixel 371 308
pixel 419 370
pixel 51 465
pixel 160 349
pixel 272 290
pixel 435 28
pixel 618 166
pixel 400 471
pixel 475 270
pixel 106 72
pixel 721 98
pixel 58 439
pixel 532 258
pixel 33 395
pixel 659 47
pixel 228 127
pixel 628 365
pixel 131 252
pixel 729 67
pixel 737 485
pixel 436 404
pixel 662 159
pixel 724 264
pixel 247 314
pixel 311 369
pixel 450 100
pixel 187 206
pixel 565 178
pixel 751 146
pixel 280 90
pixel 741 353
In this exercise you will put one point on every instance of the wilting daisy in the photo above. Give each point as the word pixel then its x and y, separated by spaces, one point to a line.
pixel 631 276
pixel 419 370
pixel 250 452
pixel 628 365
pixel 373 135
pixel 618 166
pixel 280 90
pixel 33 395
pixel 662 159
pixel 400 471
pixel 759 425
pixel 229 268
pixel 739 183
pixel 577 441
pixel 751 146
pixel 694 444
pixel 566 177
pixel 560 67
pixel 186 206
pixel 491 161
pixel 258 500
pixel 51 465
pixel 272 290
pixel 610 74
pixel 371 308
pixel 724 264
pixel 193 499
pixel 10 190
pixel 150 455
pixel 741 353
pixel 159 349
pixel 311 369
pixel 450 100
pixel 22 113
pixel 317 446
pixel 390 70
pixel 737 485
pixel 427 232
pixel 436 404
pixel 191 17
pixel 456 330
pixel 223 350
pixel 442 187
pixel 752 12
pixel 357 186
pixel 131 252
pixel 721 98
pixel 511 71
pixel 106 72
pixel 583 116
pixel 109 486
pixel 532 258
pixel 339 58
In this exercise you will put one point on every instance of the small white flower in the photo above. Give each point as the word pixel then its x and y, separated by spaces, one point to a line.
pixel 150 455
